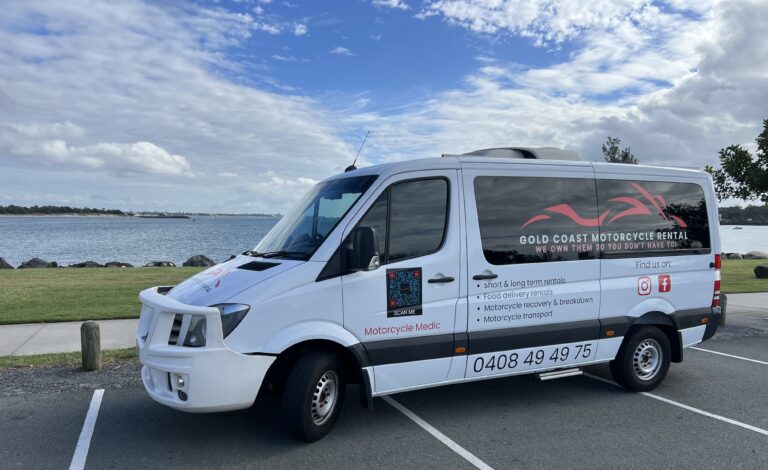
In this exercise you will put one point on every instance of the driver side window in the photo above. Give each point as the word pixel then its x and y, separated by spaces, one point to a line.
pixel 409 219
pixel 376 218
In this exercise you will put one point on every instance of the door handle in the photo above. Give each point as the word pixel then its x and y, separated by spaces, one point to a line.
pixel 437 280
pixel 482 277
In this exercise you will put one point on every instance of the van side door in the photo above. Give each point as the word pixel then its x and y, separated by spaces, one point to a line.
pixel 533 267
pixel 404 311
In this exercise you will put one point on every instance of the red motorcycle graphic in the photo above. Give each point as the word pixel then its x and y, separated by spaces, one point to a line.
pixel 637 207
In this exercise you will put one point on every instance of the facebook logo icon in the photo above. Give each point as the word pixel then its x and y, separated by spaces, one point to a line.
pixel 665 283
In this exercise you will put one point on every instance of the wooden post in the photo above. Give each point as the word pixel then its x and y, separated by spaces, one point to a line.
pixel 90 343
pixel 723 306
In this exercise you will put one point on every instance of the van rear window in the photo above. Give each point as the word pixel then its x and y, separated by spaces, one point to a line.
pixel 652 217
pixel 539 219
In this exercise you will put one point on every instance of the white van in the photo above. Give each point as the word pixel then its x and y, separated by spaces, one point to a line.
pixel 441 271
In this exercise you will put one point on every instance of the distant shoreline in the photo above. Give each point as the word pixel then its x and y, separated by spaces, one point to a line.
pixel 183 216
pixel 68 215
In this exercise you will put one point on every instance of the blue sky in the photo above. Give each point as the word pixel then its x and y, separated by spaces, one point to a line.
pixel 241 106
pixel 390 57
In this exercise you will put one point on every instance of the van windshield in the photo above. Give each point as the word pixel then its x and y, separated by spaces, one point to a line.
pixel 304 228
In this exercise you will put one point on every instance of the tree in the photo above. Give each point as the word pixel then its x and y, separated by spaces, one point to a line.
pixel 741 175
pixel 614 154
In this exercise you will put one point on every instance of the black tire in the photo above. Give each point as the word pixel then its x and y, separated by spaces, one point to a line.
pixel 307 412
pixel 643 360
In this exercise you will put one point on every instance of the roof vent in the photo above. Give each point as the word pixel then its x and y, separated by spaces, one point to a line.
pixel 540 153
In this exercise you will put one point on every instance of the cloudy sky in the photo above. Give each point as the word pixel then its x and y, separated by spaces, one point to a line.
pixel 240 106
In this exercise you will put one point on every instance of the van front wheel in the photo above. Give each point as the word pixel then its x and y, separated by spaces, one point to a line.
pixel 643 361
pixel 313 396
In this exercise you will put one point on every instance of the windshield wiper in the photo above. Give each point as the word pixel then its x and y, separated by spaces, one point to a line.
pixel 277 254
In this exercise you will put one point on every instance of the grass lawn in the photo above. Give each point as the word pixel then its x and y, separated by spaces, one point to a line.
pixel 738 275
pixel 70 359
pixel 70 294
pixel 50 295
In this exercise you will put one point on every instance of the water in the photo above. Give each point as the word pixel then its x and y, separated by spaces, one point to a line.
pixel 69 240
pixel 749 238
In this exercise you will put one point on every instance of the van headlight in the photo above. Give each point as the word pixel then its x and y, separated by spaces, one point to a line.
pixel 231 316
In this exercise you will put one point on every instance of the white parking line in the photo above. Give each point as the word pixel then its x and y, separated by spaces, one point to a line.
pixel 467 455
pixel 706 413
pixel 84 443
pixel 731 355
pixel 689 408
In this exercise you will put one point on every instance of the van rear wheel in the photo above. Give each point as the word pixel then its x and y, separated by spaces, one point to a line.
pixel 643 361
pixel 313 396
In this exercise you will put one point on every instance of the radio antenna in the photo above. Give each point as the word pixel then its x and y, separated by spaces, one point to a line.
pixel 352 166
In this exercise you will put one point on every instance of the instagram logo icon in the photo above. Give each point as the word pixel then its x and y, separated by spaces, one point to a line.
pixel 643 285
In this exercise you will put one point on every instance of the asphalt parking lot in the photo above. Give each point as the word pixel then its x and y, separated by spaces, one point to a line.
pixel 711 412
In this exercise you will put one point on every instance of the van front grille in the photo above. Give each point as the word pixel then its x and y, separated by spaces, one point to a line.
pixel 173 339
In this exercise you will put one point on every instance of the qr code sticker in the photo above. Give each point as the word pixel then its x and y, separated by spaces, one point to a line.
pixel 403 292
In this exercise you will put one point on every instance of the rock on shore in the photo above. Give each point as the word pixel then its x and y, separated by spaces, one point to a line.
pixel 199 260
pixel 160 264
pixel 86 264
pixel 117 264
pixel 38 263
pixel 761 271
pixel 4 264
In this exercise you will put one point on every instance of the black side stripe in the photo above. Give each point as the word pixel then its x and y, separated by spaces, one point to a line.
pixel 419 348
pixel 531 336
pixel 619 325
pixel 691 317
pixel 679 320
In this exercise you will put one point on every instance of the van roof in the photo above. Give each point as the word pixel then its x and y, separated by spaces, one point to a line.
pixel 469 161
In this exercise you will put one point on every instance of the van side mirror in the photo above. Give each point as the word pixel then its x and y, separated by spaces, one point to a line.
pixel 363 250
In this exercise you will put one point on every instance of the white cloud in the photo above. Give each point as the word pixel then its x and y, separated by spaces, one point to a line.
pixel 267 27
pixel 272 189
pixel 399 4
pixel 284 58
pixel 42 130
pixel 44 144
pixel 486 59
pixel 219 28
pixel 146 89
pixel 547 21
pixel 157 96
pixel 377 37
pixel 675 87
pixel 299 29
pixel 341 51
pixel 138 157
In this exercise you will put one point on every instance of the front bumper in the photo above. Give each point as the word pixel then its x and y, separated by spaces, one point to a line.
pixel 213 377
